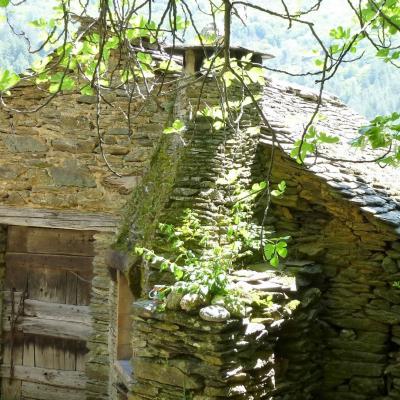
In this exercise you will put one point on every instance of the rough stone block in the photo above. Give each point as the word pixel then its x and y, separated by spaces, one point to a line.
pixel 70 174
pixel 148 369
pixel 22 144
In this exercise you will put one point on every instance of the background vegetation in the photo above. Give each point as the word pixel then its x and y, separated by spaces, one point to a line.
pixel 369 85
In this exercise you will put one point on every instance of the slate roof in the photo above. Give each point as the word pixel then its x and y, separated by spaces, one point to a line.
pixel 375 189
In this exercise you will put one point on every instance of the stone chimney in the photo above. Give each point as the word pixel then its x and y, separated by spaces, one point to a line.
pixel 194 55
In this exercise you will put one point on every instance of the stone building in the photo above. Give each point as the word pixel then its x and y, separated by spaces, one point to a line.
pixel 76 319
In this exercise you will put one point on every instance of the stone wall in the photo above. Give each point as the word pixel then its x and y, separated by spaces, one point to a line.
pixel 359 259
pixel 52 158
pixel 183 356
pixel 101 344
pixel 178 355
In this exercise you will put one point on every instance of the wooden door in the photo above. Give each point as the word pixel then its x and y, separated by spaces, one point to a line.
pixel 46 315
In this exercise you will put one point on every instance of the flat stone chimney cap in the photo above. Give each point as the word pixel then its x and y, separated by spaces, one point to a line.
pixel 209 49
pixel 194 55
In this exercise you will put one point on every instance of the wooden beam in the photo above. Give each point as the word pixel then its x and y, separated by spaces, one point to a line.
pixel 54 311
pixel 38 391
pixel 24 239
pixel 45 218
pixel 50 327
pixel 58 312
pixel 53 377
pixel 11 389
pixel 51 261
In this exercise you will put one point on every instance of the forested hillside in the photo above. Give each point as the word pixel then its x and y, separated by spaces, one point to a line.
pixel 369 85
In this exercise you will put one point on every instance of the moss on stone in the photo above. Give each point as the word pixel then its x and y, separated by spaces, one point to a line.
pixel 142 212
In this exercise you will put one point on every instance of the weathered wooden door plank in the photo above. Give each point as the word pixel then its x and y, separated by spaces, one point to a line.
pixel 52 270
pixel 11 388
pixel 50 327
pixel 72 263
pixel 29 351
pixel 44 351
pixel 47 285
pixel 22 239
pixel 39 391
pixel 58 219
pixel 47 376
pixel 59 312
pixel 17 278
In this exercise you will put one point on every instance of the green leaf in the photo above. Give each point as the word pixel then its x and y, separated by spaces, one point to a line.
pixel 209 38
pixel 312 132
pixel 276 193
pixel 256 75
pixel 281 245
pixel 257 187
pixel 139 251
pixel 178 273
pixel 87 91
pixel 382 52
pixel 269 251
pixel 4 3
pixel 180 23
pixel 178 126
pixel 42 78
pixel 282 251
pixel 39 65
pixel 324 138
pixel 112 42
pixel 144 58
pixel 59 81
pixel 318 63
pixel 164 266
pixel 8 79
pixel 282 186
pixel 274 261
pixel 38 23
pixel 68 84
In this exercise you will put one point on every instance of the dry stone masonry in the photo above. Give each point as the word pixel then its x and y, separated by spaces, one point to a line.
pixel 213 356
pixel 190 351
pixel 102 341
pixel 342 217
pixel 345 347
pixel 52 158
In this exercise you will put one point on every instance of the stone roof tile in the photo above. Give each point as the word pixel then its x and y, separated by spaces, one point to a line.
pixel 375 189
